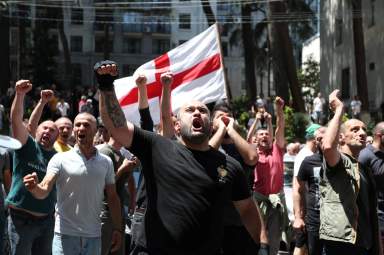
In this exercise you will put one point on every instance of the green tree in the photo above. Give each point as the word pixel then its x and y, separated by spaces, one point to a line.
pixel 309 79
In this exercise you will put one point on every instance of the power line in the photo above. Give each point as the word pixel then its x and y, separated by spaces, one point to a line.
pixel 172 21
pixel 136 5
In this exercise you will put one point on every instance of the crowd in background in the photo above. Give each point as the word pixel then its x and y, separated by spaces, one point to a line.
pixel 66 125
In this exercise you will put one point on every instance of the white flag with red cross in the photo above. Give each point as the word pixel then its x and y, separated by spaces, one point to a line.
pixel 198 75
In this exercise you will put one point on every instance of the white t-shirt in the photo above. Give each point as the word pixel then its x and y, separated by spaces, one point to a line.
pixel 80 191
pixel 318 104
pixel 63 108
pixel 303 153
pixel 356 106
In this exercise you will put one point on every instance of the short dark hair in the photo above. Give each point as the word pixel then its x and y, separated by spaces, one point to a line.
pixel 221 106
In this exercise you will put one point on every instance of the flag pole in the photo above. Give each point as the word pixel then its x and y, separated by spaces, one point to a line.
pixel 227 88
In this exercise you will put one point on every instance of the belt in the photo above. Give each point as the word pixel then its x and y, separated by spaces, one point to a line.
pixel 26 215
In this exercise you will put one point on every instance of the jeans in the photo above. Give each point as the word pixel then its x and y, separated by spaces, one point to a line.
pixel 70 245
pixel 30 235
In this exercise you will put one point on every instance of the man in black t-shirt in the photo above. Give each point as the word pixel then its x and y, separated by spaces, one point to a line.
pixel 306 201
pixel 372 157
pixel 187 182
pixel 226 139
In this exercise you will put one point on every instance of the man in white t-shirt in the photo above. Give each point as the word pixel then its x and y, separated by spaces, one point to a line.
pixel 81 175
pixel 318 106
pixel 355 107
pixel 63 107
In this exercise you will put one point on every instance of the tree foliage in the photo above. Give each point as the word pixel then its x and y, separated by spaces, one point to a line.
pixel 309 79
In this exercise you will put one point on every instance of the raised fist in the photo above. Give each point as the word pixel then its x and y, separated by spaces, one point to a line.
pixel 22 87
pixel 279 102
pixel 141 80
pixel 106 72
pixel 334 100
pixel 166 79
pixel 30 181
pixel 46 95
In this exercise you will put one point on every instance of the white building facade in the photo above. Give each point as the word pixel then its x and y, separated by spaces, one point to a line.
pixel 337 67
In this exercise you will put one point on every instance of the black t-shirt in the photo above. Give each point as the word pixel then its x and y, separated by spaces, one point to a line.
pixel 186 191
pixel 364 232
pixel 309 172
pixel 230 215
pixel 373 159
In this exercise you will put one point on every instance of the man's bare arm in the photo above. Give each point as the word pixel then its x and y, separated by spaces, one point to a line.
pixel 246 150
pixel 115 210
pixel 280 123
pixel 298 195
pixel 251 218
pixel 40 190
pixel 331 137
pixel 168 129
pixel 110 110
pixel 45 97
pixel 19 130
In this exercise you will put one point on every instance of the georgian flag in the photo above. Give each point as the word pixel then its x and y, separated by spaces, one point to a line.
pixel 198 74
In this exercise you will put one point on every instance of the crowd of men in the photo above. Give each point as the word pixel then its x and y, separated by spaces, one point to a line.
pixel 202 189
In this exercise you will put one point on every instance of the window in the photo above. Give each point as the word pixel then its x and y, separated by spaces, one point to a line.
pixel 224 47
pixel 185 21
pixel 102 17
pixel 77 73
pixel 132 45
pixel 372 21
pixel 372 66
pixel 339 31
pixel 128 70
pixel 99 44
pixel 76 43
pixel 160 46
pixel 345 80
pixel 77 16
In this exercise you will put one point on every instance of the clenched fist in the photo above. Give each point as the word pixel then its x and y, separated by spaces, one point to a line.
pixel 46 95
pixel 22 87
pixel 166 79
pixel 30 181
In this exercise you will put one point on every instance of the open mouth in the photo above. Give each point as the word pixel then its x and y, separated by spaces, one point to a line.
pixel 45 138
pixel 81 136
pixel 197 124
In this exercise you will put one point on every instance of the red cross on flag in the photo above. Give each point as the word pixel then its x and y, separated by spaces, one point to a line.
pixel 198 74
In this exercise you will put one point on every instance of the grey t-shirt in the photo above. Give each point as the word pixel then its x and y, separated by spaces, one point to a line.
pixel 80 190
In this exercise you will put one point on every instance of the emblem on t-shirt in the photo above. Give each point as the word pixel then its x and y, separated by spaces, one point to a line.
pixel 222 173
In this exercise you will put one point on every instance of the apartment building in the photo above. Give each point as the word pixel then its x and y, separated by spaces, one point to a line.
pixel 337 65
pixel 137 32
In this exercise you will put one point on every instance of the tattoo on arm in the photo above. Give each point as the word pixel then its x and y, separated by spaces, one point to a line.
pixel 114 110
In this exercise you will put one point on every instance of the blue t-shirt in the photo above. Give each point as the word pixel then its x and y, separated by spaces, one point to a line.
pixel 32 157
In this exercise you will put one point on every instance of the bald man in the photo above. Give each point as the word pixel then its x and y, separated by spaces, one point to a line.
pixel 348 218
pixel 31 220
pixel 187 181
pixel 65 127
pixel 77 223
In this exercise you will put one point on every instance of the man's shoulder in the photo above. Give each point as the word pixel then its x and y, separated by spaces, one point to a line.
pixel 366 154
